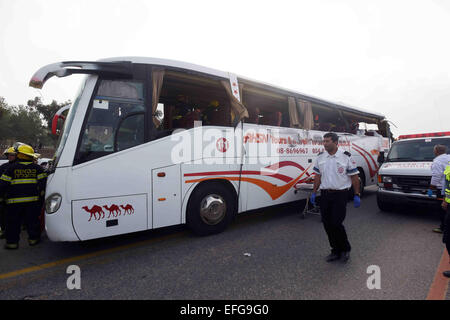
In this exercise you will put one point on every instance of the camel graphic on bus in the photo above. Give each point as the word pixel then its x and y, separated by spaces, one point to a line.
pixel 114 210
pixel 93 211
pixel 128 209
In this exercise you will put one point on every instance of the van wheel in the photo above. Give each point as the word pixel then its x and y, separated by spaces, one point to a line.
pixel 211 208
pixel 384 206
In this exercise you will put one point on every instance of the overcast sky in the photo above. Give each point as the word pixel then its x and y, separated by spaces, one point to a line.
pixel 392 57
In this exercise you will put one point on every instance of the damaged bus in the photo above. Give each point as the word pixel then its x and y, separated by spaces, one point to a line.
pixel 149 143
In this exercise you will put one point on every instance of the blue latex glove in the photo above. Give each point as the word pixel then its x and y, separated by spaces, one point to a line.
pixel 430 192
pixel 312 199
pixel 357 201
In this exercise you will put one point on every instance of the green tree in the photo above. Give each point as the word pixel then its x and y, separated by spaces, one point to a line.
pixel 26 125
pixel 47 111
pixel 29 124
pixel 5 124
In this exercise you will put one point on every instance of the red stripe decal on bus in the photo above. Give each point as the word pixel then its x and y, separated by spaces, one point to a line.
pixel 372 172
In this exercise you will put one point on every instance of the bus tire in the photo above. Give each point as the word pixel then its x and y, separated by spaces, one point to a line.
pixel 211 208
pixel 362 184
pixel 362 181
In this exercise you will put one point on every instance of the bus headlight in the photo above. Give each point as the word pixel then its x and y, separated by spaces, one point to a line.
pixel 53 202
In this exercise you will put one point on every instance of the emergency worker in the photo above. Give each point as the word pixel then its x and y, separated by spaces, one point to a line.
pixel 446 207
pixel 181 109
pixel 208 113
pixel 335 172
pixel 437 177
pixel 11 154
pixel 24 182
pixel 36 157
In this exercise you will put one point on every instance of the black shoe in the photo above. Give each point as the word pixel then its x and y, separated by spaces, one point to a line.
pixel 345 256
pixel 332 257
pixel 446 273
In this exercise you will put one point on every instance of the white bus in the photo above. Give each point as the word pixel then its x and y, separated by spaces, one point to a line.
pixel 150 143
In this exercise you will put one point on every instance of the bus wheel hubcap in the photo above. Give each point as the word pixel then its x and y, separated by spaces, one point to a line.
pixel 212 209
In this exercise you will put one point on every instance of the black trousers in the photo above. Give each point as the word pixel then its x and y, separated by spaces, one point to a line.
pixel 2 216
pixel 333 208
pixel 446 229
pixel 26 212
pixel 442 215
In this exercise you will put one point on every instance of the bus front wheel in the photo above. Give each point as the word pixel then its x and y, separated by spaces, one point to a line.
pixel 211 208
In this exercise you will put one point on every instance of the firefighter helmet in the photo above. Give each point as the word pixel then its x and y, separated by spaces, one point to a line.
pixel 10 150
pixel 26 150
pixel 214 103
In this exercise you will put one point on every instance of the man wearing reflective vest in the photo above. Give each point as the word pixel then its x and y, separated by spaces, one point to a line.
pixel 23 182
pixel 11 154
pixel 446 207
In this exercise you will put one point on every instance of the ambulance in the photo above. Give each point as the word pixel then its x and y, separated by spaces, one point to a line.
pixel 405 175
pixel 150 143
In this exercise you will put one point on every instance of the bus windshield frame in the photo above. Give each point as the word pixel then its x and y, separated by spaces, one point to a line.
pixel 68 124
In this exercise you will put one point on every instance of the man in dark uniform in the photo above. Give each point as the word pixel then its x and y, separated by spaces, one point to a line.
pixel 23 182
pixel 11 154
pixel 335 172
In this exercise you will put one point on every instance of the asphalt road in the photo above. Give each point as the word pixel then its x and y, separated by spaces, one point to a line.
pixel 268 254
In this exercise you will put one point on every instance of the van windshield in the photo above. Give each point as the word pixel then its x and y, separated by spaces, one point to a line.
pixel 415 150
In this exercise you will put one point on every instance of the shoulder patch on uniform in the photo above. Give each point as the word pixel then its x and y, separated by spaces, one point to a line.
pixel 347 153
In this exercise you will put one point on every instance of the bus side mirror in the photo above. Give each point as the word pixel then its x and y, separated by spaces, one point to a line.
pixel 381 157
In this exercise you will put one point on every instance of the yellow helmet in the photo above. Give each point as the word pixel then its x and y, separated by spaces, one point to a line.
pixel 10 150
pixel 26 150
pixel 36 155
pixel 214 103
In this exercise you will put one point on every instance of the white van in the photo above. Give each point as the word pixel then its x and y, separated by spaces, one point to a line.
pixel 405 175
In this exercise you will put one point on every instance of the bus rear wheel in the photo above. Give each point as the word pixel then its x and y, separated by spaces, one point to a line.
pixel 362 184
pixel 211 209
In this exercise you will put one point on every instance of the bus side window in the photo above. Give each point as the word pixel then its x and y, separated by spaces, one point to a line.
pixel 266 107
pixel 186 100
